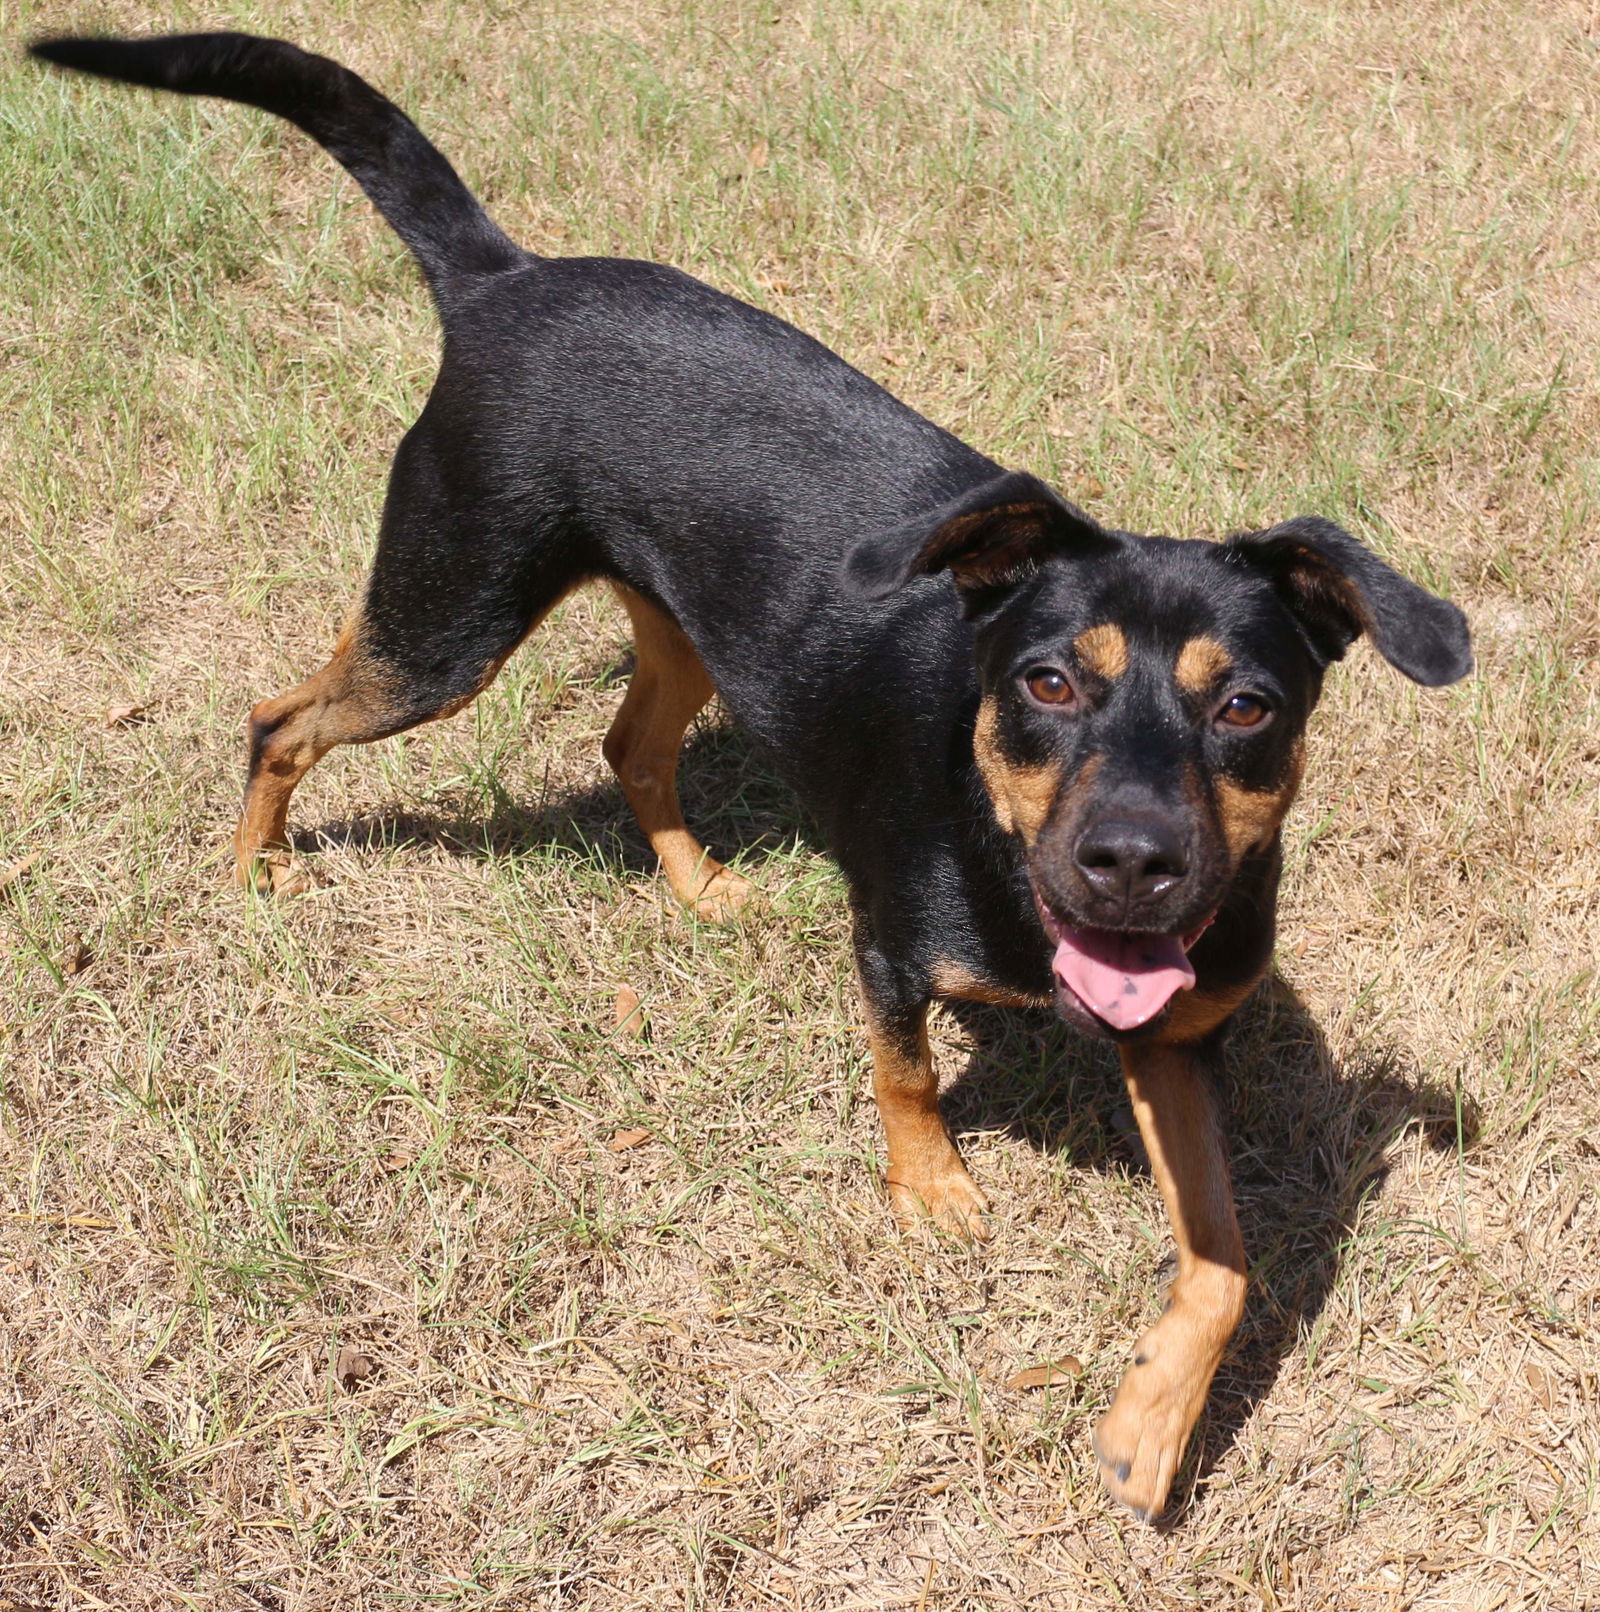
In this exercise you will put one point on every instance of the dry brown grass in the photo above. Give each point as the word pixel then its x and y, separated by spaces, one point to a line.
pixel 1204 264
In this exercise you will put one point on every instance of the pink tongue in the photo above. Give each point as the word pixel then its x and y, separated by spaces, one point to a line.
pixel 1126 979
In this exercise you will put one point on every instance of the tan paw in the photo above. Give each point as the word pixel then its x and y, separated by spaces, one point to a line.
pixel 951 1200
pixel 273 873
pixel 1140 1441
pixel 720 897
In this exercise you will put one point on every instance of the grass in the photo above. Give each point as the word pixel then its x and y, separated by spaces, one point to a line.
pixel 321 1283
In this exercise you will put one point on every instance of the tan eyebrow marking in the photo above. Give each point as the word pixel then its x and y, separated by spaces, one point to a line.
pixel 1103 649
pixel 1201 663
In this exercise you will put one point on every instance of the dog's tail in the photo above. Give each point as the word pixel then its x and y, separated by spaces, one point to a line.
pixel 407 180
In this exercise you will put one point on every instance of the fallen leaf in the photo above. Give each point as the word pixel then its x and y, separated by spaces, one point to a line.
pixel 758 154
pixel 351 1367
pixel 1542 1384
pixel 12 873
pixel 125 716
pixel 623 1140
pixel 629 1018
pixel 1047 1375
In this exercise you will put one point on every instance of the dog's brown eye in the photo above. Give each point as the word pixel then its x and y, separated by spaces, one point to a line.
pixel 1243 711
pixel 1048 686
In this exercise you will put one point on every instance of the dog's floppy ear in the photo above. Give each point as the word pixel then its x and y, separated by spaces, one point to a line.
pixel 1338 589
pixel 990 537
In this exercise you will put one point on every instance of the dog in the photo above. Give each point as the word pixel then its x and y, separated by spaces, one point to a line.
pixel 1052 758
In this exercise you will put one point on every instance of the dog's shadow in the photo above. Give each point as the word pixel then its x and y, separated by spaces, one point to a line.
pixel 1309 1137
pixel 731 801
pixel 1309 1143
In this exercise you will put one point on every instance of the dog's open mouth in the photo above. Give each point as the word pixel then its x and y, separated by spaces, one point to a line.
pixel 1124 979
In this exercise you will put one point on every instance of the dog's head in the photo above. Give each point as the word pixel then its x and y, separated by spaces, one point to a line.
pixel 1143 702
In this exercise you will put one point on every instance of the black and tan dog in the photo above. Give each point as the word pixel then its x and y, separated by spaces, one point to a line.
pixel 1052 758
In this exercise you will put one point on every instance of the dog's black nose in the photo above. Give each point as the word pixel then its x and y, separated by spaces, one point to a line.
pixel 1131 857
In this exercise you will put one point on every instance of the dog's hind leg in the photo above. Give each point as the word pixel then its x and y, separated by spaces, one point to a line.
pixel 364 693
pixel 361 695
pixel 350 701
pixel 668 689
pixel 455 587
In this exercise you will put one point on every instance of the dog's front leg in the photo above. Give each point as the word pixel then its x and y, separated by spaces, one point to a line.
pixel 1141 1439
pixel 926 1176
